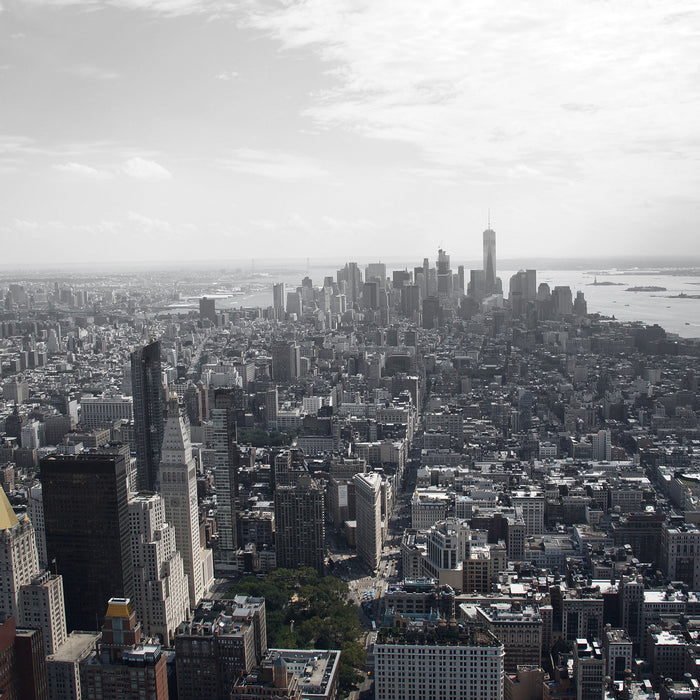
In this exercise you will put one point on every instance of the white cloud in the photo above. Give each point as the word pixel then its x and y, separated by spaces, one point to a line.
pixel 82 170
pixel 485 84
pixel 227 75
pixel 276 165
pixel 143 169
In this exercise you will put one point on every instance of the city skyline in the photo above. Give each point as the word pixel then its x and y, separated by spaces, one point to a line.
pixel 325 129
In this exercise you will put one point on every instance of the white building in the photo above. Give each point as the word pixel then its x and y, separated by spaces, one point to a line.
pixel 368 509
pixel 531 505
pixel 42 606
pixel 95 411
pixel 177 478
pixel 460 666
pixel 680 554
pixel 19 561
pixel 428 506
pixel 161 593
pixel 35 513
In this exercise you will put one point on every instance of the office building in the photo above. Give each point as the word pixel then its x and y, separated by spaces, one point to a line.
pixel 680 553
pixel 63 666
pixel 617 649
pixel 161 592
pixel 42 607
pixel 278 300
pixel 450 663
pixel 96 411
pixel 368 513
pixel 221 437
pixel 86 514
pixel 30 665
pixel 35 513
pixel 286 362
pixel 207 309
pixel 519 628
pixel 147 390
pixel 212 650
pixel 177 481
pixel 490 284
pixel 589 670
pixel 19 561
pixel 124 665
pixel 300 525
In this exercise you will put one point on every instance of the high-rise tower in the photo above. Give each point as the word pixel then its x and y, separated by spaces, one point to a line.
pixel 19 561
pixel 86 516
pixel 490 260
pixel 161 595
pixel 147 388
pixel 300 525
pixel 177 481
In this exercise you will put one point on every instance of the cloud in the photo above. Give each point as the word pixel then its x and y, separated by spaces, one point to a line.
pixel 82 170
pixel 143 169
pixel 92 72
pixel 227 75
pixel 276 165
pixel 451 78
pixel 168 8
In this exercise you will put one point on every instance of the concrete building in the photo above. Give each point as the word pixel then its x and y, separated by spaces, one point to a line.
pixel 96 411
pixel 86 513
pixel 42 607
pixel 147 390
pixel 444 662
pixel 617 648
pixel 19 561
pixel 35 513
pixel 177 481
pixel 530 506
pixel 212 651
pixel 161 592
pixel 124 665
pixel 680 553
pixel 63 666
pixel 589 670
pixel 368 510
pixel 300 525
pixel 519 628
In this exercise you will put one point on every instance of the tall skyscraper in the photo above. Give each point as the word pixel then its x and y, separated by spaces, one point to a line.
pixel 222 439
pixel 286 361
pixel 161 594
pixel 490 260
pixel 147 389
pixel 177 481
pixel 278 300
pixel 86 515
pixel 368 507
pixel 19 561
pixel 300 525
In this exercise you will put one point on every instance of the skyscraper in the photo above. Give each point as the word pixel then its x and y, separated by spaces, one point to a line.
pixel 490 260
pixel 278 300
pixel 147 389
pixel 19 561
pixel 86 516
pixel 299 525
pixel 177 481
pixel 368 506
pixel 161 594
pixel 222 439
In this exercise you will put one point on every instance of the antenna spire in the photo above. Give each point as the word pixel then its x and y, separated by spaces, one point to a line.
pixel 489 217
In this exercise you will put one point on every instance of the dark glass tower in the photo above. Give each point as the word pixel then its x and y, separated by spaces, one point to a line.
pixel 147 388
pixel 86 518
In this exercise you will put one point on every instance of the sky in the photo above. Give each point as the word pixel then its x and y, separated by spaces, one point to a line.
pixel 157 130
